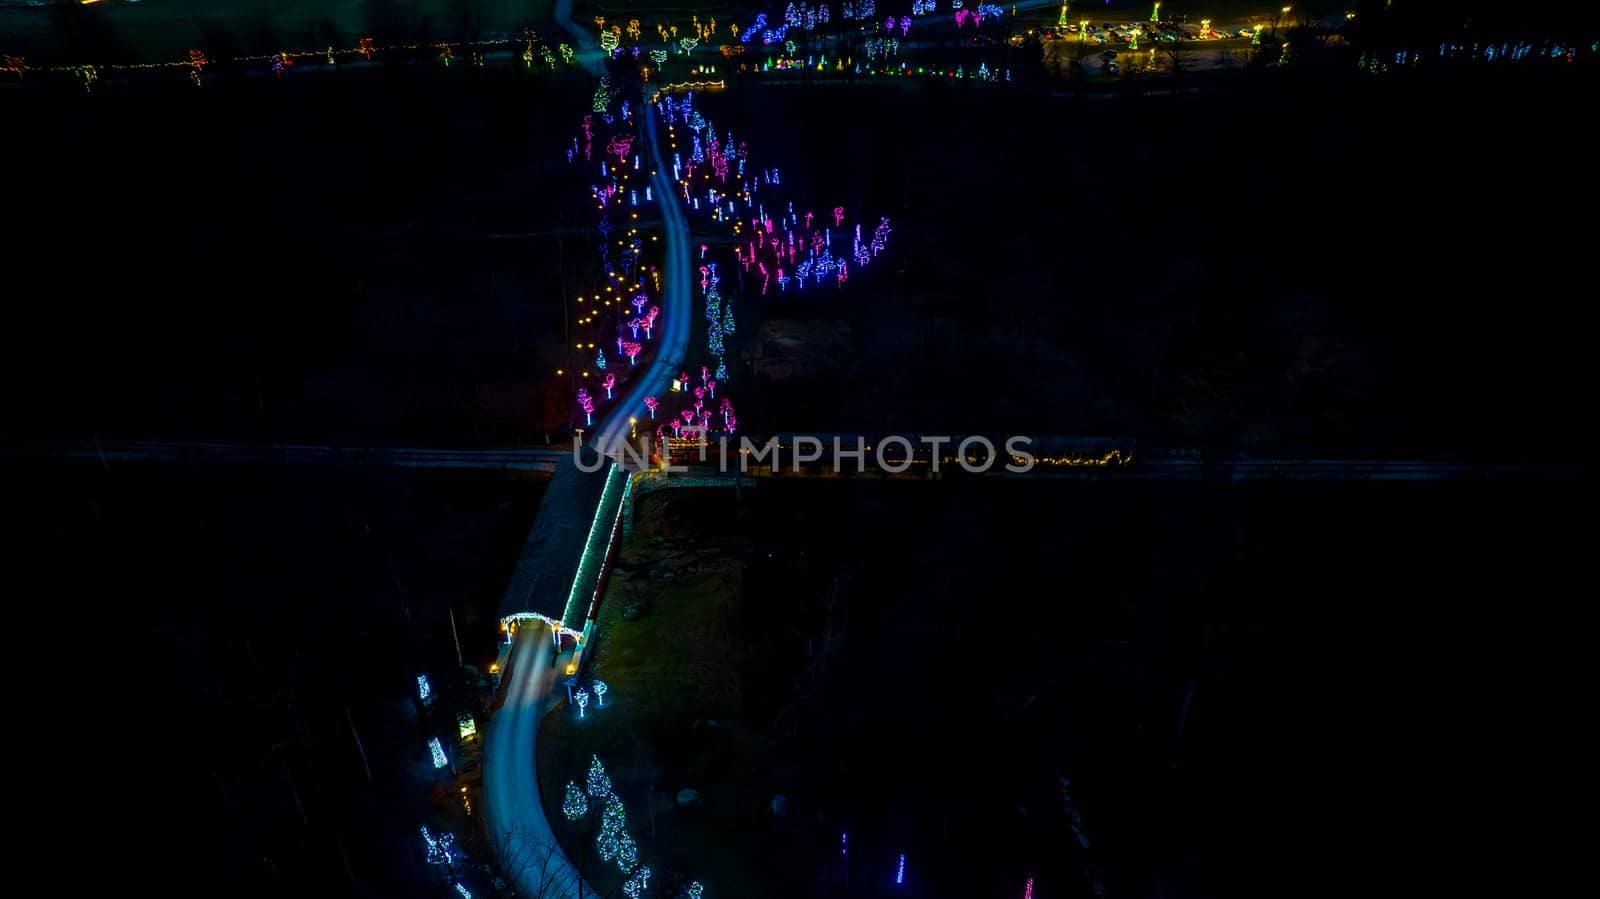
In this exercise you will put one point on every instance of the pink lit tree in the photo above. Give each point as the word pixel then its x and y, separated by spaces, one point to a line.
pixel 609 382
pixel 651 403
pixel 586 403
pixel 631 350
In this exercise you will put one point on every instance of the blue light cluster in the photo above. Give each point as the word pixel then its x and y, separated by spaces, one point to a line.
pixel 760 23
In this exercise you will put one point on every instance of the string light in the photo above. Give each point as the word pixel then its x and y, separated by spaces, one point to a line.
pixel 900 872
pixel 635 885
pixel 463 891
pixel 574 805
pixel 599 783
pixel 437 750
pixel 424 689
pixel 439 847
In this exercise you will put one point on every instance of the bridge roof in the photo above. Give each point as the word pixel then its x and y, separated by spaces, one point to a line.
pixel 553 554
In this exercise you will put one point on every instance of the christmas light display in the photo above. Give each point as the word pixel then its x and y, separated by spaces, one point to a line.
pixel 631 350
pixel 424 689
pixel 627 851
pixel 636 885
pixel 598 783
pixel 844 844
pixel 574 804
pixel 651 403
pixel 1027 891
pixel 609 382
pixel 612 820
pixel 900 872
pixel 462 891
pixel 1155 13
pixel 586 403
pixel 990 10
pixel 436 749
pixel 439 847
pixel 465 726
pixel 600 688
pixel 694 890
pixel 583 701
pixel 600 359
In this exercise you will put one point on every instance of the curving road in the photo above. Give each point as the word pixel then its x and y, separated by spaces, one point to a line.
pixel 518 829
pixel 515 815
pixel 672 342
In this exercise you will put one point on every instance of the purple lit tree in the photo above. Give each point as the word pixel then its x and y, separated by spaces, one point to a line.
pixel 586 403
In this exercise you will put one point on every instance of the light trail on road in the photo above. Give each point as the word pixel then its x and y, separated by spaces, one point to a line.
pixel 518 828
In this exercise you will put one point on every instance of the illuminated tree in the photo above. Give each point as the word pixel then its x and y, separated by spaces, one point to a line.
pixel 636 885
pixel 583 701
pixel 612 821
pixel 575 805
pixel 651 403
pixel 609 382
pixel 600 359
pixel 586 403
pixel 598 784
pixel 631 350
pixel 600 690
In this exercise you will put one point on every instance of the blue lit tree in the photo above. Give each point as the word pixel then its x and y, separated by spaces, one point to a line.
pixel 598 785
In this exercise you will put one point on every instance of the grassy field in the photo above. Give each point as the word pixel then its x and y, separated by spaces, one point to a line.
pixel 676 713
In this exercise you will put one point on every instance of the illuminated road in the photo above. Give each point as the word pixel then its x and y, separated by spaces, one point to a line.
pixel 521 835
pixel 517 825
pixel 673 341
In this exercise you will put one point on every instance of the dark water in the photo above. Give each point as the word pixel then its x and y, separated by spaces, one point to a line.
pixel 1254 690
